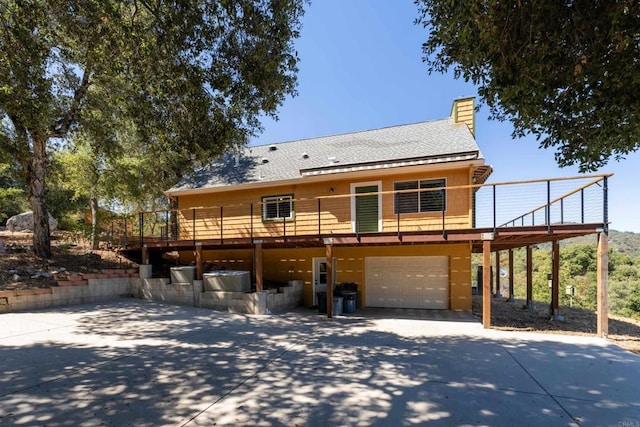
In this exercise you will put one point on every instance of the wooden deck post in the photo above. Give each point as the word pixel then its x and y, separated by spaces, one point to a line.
pixel 555 280
pixel 199 261
pixel 145 254
pixel 530 278
pixel 602 272
pixel 259 263
pixel 486 284
pixel 511 296
pixel 498 294
pixel 328 244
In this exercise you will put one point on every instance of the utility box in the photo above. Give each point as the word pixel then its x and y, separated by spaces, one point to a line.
pixel 183 274
pixel 227 281
pixel 570 290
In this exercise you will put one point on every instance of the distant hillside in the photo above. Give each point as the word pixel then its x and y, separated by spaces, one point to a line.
pixel 621 241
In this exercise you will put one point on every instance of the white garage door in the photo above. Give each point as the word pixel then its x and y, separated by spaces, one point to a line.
pixel 407 282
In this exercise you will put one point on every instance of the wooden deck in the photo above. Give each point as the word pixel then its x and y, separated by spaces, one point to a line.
pixel 502 239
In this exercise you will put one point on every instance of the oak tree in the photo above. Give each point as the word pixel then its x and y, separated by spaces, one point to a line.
pixel 192 76
pixel 567 72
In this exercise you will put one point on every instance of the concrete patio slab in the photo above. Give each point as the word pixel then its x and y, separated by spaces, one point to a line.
pixel 139 363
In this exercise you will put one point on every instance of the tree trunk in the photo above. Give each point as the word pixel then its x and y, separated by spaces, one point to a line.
pixel 36 182
pixel 95 242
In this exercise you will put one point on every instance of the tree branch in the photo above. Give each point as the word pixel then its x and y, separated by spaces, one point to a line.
pixel 63 125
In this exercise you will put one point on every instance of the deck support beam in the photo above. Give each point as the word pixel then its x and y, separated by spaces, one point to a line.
pixel 511 293
pixel 144 255
pixel 498 294
pixel 259 266
pixel 486 284
pixel 554 310
pixel 602 272
pixel 529 267
pixel 199 261
pixel 328 244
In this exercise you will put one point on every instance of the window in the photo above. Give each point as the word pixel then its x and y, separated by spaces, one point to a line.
pixel 420 201
pixel 276 208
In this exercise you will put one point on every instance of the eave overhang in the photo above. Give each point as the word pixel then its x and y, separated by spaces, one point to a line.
pixel 355 171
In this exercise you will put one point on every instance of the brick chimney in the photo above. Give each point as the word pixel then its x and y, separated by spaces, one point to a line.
pixel 463 111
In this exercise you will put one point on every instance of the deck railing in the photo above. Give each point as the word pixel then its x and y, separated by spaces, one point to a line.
pixel 571 200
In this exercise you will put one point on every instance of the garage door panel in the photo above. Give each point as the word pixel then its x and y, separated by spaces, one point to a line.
pixel 407 282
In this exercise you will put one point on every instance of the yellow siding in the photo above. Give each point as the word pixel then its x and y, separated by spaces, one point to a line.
pixel 281 265
pixel 463 112
pixel 237 218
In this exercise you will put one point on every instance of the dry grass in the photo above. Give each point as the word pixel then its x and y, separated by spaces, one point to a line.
pixel 512 316
pixel 70 255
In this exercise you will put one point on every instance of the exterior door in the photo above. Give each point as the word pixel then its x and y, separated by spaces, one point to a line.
pixel 320 276
pixel 366 209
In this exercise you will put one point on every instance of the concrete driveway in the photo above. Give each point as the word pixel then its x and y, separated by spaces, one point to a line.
pixel 139 363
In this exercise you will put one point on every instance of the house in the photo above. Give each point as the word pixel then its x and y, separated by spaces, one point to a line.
pixel 397 210
pixel 282 182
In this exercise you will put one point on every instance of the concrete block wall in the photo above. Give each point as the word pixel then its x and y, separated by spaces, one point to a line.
pixel 161 290
pixel 79 290
pixel 114 284
pixel 286 298
pixel 235 302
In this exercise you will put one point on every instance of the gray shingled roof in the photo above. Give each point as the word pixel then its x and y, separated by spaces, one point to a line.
pixel 429 142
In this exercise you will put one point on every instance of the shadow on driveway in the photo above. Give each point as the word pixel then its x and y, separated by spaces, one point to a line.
pixel 140 363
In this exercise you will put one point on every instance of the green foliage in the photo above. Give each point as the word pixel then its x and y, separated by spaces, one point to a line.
pixel 624 242
pixel 566 72
pixel 624 297
pixel 12 202
pixel 186 80
pixel 13 198
pixel 578 268
pixel 578 259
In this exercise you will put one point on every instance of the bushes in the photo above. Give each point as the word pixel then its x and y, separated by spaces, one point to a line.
pixel 578 268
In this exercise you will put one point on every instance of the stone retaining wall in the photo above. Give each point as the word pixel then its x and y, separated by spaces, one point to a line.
pixel 72 292
pixel 161 290
pixel 286 298
pixel 114 284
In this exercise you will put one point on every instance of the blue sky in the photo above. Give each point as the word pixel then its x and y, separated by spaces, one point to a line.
pixel 361 68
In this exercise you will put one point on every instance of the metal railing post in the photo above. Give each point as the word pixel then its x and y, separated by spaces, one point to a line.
pixel 221 224
pixel 141 225
pixel 319 221
pixel 251 221
pixel 166 222
pixel 605 205
pixel 494 208
pixel 284 227
pixel 548 210
pixel 562 211
pixel 193 224
pixel 582 206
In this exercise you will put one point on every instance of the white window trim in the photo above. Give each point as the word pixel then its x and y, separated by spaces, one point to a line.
pixel 353 187
pixel 273 199
pixel 446 198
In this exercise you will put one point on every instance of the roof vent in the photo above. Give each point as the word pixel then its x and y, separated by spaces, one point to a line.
pixel 333 160
pixel 272 148
pixel 305 156
pixel 265 160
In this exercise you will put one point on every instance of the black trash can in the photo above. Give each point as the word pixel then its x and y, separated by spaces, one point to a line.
pixel 322 302
pixel 349 302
